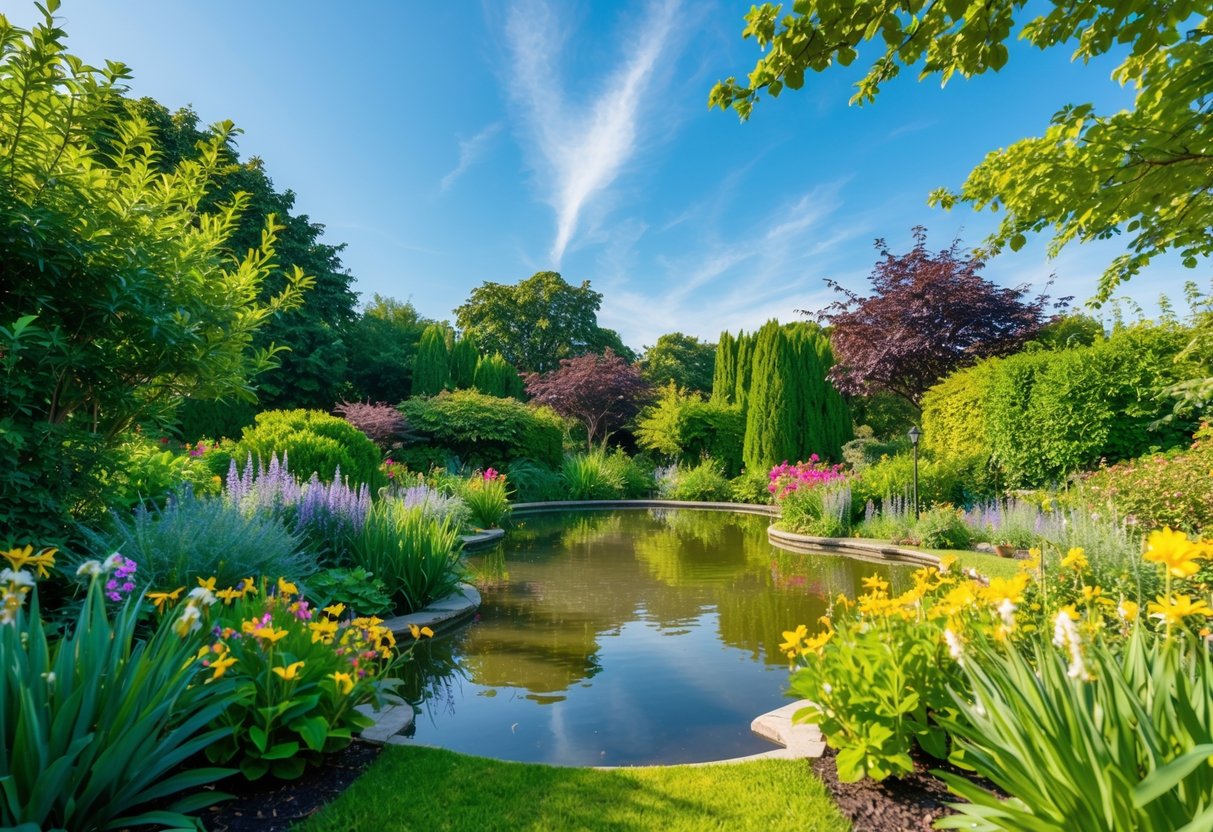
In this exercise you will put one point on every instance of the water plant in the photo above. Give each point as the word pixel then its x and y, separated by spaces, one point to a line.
pixel 416 557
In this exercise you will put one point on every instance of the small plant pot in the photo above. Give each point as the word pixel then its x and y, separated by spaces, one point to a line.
pixel 1005 551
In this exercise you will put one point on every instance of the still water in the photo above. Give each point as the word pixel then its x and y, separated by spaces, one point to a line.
pixel 623 638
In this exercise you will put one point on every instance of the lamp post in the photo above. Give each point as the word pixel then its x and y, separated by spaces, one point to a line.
pixel 915 435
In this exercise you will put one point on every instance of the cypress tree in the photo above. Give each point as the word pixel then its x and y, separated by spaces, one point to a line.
pixel 744 371
pixel 464 357
pixel 495 377
pixel 771 431
pixel 810 394
pixel 724 379
pixel 430 372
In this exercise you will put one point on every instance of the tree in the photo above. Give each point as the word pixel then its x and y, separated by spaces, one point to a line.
pixel 771 433
pixel 431 373
pixel 600 391
pixel 119 296
pixel 535 323
pixel 682 359
pixel 495 377
pixel 1144 172
pixel 382 346
pixel 464 357
pixel 928 315
pixel 724 370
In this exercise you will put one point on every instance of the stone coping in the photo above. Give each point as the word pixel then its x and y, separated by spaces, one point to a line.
pixel 575 505
pixel 482 538
pixel 462 602
pixel 851 547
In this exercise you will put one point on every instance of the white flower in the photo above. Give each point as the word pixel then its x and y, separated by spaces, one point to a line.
pixel 1066 635
pixel 112 562
pixel 1007 611
pixel 92 568
pixel 202 595
pixel 189 622
pixel 955 646
pixel 18 578
pixel 49 676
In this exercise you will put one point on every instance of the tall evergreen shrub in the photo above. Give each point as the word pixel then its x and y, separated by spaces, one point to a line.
pixel 431 373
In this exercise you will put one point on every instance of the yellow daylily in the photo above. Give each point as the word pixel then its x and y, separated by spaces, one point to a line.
pixel 220 665
pixel 269 634
pixel 418 632
pixel 1175 552
pixel 343 681
pixel 1075 559
pixel 285 587
pixel 289 672
pixel 323 630
pixel 207 584
pixel 228 595
pixel 162 598
pixel 875 583
pixel 792 639
pixel 335 610
pixel 1175 609
pixel 1127 610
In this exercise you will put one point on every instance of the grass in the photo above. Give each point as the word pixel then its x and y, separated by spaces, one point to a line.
pixel 430 789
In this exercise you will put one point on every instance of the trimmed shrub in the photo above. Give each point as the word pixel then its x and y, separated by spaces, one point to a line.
pixel 431 373
pixel 484 431
pixel 463 360
pixel 954 413
pixel 495 377
pixel 310 441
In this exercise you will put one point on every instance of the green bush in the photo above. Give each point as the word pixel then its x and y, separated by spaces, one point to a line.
pixel 954 413
pixel 958 481
pixel 146 472
pixel 97 726
pixel 634 473
pixel 485 431
pixel 941 527
pixel 200 419
pixel 416 557
pixel 360 591
pixel 532 482
pixel 487 500
pixel 820 511
pixel 195 537
pixel 591 476
pixel 751 487
pixel 705 482
pixel 684 428
pixel 311 441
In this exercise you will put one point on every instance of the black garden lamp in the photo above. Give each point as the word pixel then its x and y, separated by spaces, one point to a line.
pixel 915 435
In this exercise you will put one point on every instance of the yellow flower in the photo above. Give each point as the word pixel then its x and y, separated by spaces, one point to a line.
pixel 335 610
pixel 1175 610
pixel 792 639
pixel 1007 589
pixel 249 586
pixel 162 598
pixel 1127 610
pixel 945 562
pixel 289 672
pixel 220 665
pixel 816 643
pixel 1091 593
pixel 1174 551
pixel 323 631
pixel 208 584
pixel 269 634
pixel 1075 559
pixel 875 583
pixel 344 682
pixel 418 632
pixel 229 595
pixel 18 557
pixel 287 588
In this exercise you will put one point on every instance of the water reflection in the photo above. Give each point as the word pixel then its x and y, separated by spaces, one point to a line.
pixel 623 637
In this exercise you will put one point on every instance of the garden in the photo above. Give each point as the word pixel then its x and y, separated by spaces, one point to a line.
pixel 245 517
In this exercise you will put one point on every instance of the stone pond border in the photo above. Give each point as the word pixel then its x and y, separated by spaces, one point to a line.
pixel 799 741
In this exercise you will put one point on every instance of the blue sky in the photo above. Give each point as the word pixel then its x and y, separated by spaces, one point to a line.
pixel 452 143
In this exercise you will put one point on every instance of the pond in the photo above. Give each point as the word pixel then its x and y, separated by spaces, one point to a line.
pixel 623 638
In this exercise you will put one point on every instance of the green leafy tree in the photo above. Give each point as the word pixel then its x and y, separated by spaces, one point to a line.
pixel 464 356
pixel 682 359
pixel 431 373
pixel 382 348
pixel 1144 172
pixel 120 297
pixel 535 323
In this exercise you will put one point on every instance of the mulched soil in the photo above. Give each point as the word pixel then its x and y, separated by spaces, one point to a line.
pixel 906 804
pixel 275 805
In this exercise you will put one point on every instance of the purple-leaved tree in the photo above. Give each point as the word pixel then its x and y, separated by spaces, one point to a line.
pixel 600 391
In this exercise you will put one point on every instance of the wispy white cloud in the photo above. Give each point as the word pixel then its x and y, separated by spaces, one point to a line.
pixel 583 144
pixel 470 152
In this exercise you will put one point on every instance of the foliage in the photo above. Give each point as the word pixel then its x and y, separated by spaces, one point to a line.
pixel 928 315
pixel 382 349
pixel 941 527
pixel 431 372
pixel 383 424
pixel 436 502
pixel 590 476
pixel 600 391
pixel 682 360
pixel 822 510
pixel 464 357
pixel 194 536
pixel 1137 172
pixel 750 487
pixel 865 449
pixel 683 427
pixel 1066 331
pixel 724 369
pixel 954 412
pixel 635 474
pixel 312 442
pixel 199 419
pixel 487 498
pixel 533 482
pixel 705 482
pixel 299 673
pixel 417 558
pixel 487 431
pixel 475 793
pixel 146 472
pixel 495 377
pixel 1168 489
pixel 959 482
pixel 773 425
pixel 120 298
pixel 535 323
pixel 95 725
pixel 356 588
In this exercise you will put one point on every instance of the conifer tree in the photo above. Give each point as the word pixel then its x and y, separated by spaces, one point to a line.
pixel 464 357
pixel 772 413
pixel 724 379
pixel 495 377
pixel 745 369
pixel 431 373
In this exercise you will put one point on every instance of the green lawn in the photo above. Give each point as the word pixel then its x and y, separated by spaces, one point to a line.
pixel 430 789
